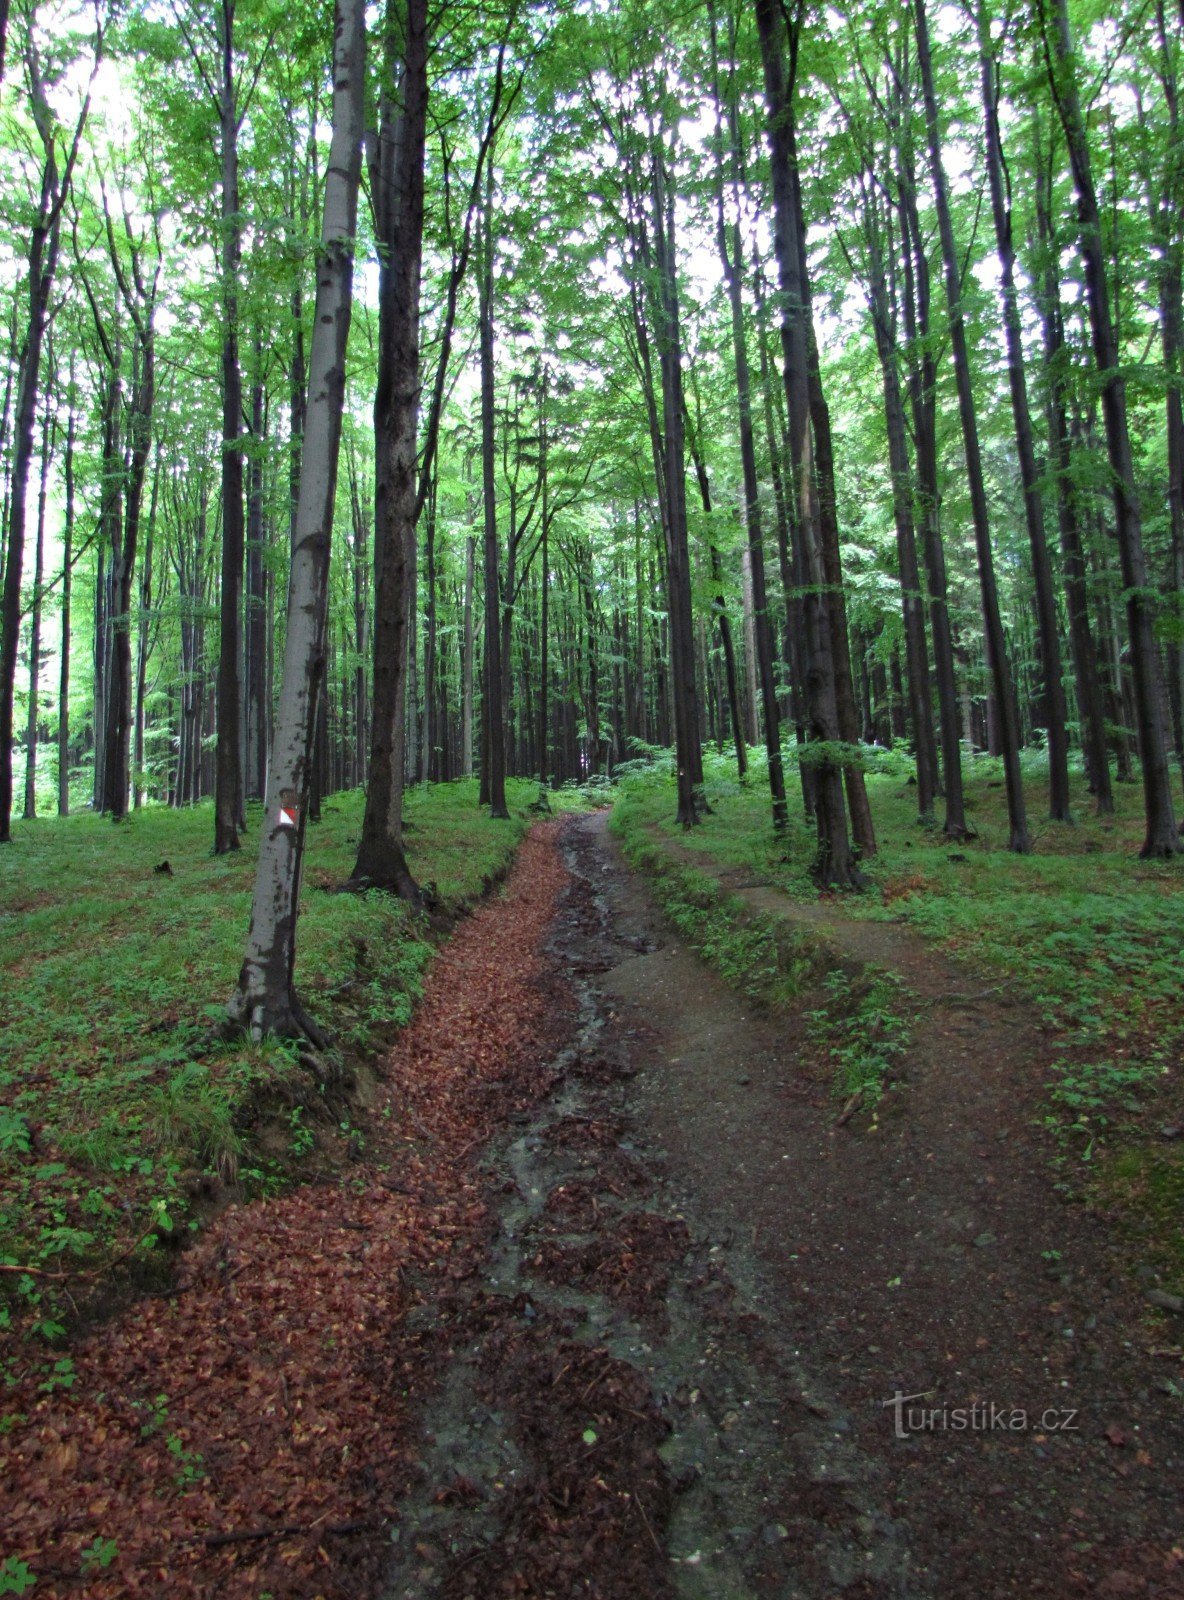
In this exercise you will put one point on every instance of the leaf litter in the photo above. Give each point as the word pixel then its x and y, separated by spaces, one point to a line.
pixel 251 1431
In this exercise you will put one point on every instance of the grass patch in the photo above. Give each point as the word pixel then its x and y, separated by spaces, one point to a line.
pixel 862 1031
pixel 1086 931
pixel 857 1027
pixel 115 1108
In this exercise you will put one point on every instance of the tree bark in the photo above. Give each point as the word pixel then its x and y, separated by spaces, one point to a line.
pixel 493 718
pixel 397 184
pixel 1046 605
pixel 44 243
pixel 835 863
pixel 922 383
pixel 34 719
pixel 1090 701
pixel 67 596
pixel 1020 839
pixel 911 596
pixel 264 1000
pixel 682 646
pixel 228 789
pixel 1162 838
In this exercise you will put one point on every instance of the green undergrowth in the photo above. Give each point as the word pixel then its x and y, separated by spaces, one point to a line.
pixel 118 1109
pixel 1089 933
pixel 854 1018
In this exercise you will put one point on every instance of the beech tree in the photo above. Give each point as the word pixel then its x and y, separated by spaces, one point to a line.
pixel 265 1000
pixel 610 248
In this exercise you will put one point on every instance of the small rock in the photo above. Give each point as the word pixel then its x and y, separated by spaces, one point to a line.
pixel 1120 1583
pixel 1166 1301
pixel 984 1240
pixel 1172 1131
pixel 744 1082
pixel 774 1532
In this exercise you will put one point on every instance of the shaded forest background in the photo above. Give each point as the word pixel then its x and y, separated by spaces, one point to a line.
pixel 866 431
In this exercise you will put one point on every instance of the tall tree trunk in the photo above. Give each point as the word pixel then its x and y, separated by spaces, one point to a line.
pixel 144 639
pixel 397 179
pixel 788 555
pixel 720 607
pixel 255 640
pixel 34 719
pixel 682 645
pixel 911 595
pixel 1019 840
pixel 264 1000
pixel 44 242
pixel 466 671
pixel 922 382
pixel 67 595
pixel 1090 700
pixel 1046 604
pixel 429 764
pixel 228 794
pixel 835 863
pixel 1162 838
pixel 493 713
pixel 544 630
pixel 1166 203
pixel 116 770
pixel 862 827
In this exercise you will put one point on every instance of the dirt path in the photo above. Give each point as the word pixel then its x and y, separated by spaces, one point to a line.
pixel 608 1307
pixel 760 1283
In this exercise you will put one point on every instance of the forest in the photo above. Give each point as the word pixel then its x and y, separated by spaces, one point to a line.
pixel 428 430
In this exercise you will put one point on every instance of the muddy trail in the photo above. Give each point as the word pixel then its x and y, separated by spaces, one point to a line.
pixel 674 1373
pixel 608 1305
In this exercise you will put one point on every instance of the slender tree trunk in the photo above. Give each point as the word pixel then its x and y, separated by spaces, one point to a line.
pixel 911 595
pixel 144 638
pixel 117 775
pixel 1162 838
pixel 466 671
pixel 682 646
pixel 1046 605
pixel 255 641
pixel 228 795
pixel 720 607
pixel 429 761
pixel 544 643
pixel 1166 202
pixel 862 827
pixel 1091 708
pixel 397 181
pixel 922 380
pixel 264 1000
pixel 1020 840
pixel 67 595
pixel 493 717
pixel 33 724
pixel 835 862
pixel 44 242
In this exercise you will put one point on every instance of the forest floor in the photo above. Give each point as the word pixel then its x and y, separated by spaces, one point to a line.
pixel 614 1302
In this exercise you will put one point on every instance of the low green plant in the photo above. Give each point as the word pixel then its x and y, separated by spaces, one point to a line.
pixel 99 1554
pixel 191 1467
pixel 117 1093
pixel 862 1030
pixel 15 1577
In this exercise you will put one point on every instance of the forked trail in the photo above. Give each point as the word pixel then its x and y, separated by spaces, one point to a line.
pixel 611 1307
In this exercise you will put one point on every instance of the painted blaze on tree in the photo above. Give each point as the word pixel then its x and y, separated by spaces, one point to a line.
pixel 265 1001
